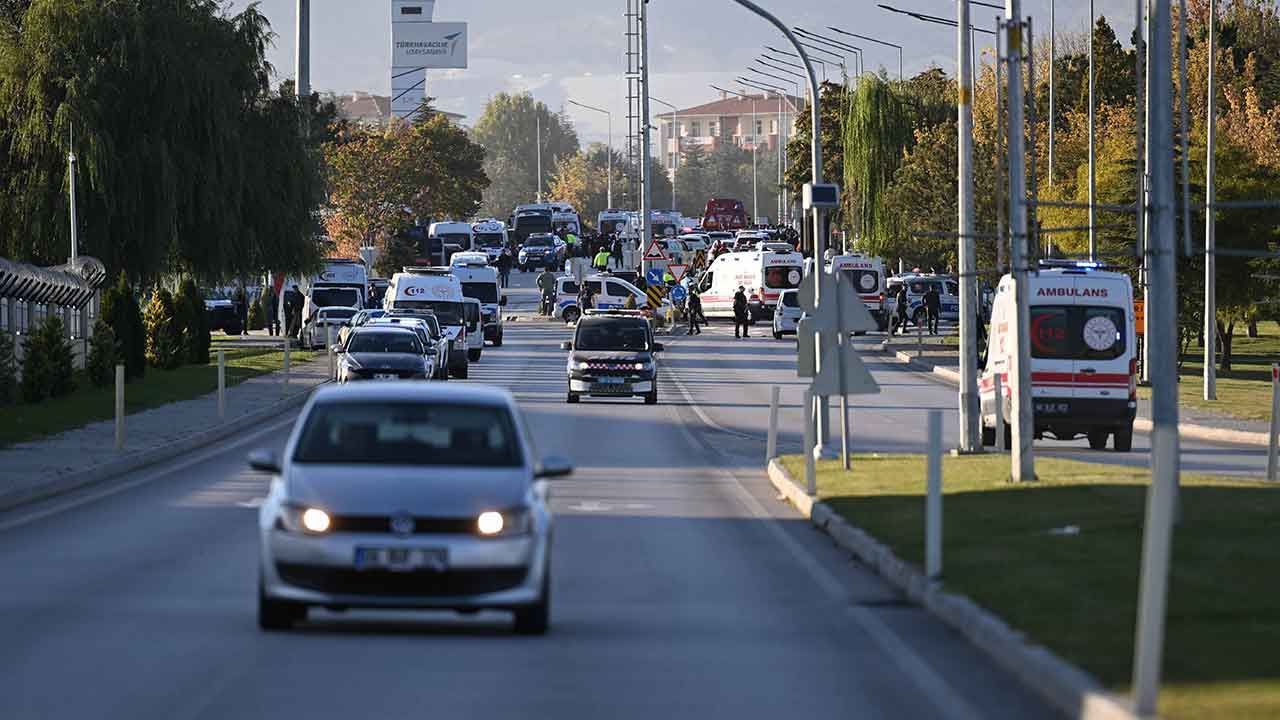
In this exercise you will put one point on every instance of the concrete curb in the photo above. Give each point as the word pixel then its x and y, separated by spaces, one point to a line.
pixel 140 459
pixel 1187 431
pixel 1062 684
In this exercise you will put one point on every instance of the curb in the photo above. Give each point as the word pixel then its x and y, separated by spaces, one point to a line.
pixel 137 460
pixel 1187 431
pixel 1062 684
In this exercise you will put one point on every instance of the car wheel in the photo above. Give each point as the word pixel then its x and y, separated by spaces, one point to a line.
pixel 1098 439
pixel 278 614
pixel 535 619
pixel 1124 438
pixel 652 397
pixel 571 315
pixel 777 335
pixel 571 398
pixel 473 355
pixel 497 341
pixel 463 371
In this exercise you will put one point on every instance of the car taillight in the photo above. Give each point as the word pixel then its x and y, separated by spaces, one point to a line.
pixel 1133 378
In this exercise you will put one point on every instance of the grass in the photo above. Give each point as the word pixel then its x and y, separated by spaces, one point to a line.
pixel 1077 594
pixel 88 404
pixel 1246 392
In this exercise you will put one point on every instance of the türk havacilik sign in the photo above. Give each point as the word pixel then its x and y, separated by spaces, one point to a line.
pixel 429 45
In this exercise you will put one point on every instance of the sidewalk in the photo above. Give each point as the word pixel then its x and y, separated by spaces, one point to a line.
pixel 1194 423
pixel 38 469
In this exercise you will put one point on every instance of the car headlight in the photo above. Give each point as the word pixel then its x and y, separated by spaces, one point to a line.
pixel 294 518
pixel 492 523
pixel 578 364
pixel 643 366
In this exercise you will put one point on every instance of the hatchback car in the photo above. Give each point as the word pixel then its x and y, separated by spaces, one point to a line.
pixel 380 352
pixel 787 315
pixel 406 496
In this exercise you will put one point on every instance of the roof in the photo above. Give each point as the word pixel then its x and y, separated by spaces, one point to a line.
pixel 400 391
pixel 735 105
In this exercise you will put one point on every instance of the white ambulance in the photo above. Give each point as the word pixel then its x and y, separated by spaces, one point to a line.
pixel 480 281
pixel 438 290
pixel 866 275
pixel 489 237
pixel 763 273
pixel 1083 361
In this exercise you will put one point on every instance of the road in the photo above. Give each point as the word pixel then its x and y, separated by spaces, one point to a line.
pixel 682 588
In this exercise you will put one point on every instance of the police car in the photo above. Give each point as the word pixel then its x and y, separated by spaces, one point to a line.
pixel 609 292
pixel 613 354
pixel 917 285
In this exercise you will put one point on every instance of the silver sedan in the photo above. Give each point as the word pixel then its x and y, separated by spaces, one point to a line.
pixel 407 495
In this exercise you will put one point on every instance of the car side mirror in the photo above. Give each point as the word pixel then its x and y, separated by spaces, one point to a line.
pixel 502 301
pixel 264 460
pixel 336 347
pixel 553 466
pixel 659 347
pixel 566 345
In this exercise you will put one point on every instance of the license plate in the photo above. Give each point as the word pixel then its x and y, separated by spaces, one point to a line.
pixel 611 380
pixel 402 559
pixel 385 376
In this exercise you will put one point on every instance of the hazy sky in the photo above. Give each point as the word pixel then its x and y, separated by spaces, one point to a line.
pixel 559 49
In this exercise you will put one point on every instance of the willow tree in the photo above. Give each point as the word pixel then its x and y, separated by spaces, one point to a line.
pixel 877 131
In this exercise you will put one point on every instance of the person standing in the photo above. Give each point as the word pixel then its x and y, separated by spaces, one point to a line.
pixel 273 312
pixel 504 267
pixel 740 312
pixel 601 261
pixel 586 299
pixel 693 308
pixel 615 251
pixel 902 304
pixel 547 284
pixel 933 307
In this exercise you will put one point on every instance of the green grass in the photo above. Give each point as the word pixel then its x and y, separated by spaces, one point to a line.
pixel 158 387
pixel 1077 594
pixel 1246 392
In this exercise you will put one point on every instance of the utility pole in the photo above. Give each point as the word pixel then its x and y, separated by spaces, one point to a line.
pixel 1157 532
pixel 646 184
pixel 1053 56
pixel 302 60
pixel 1093 170
pixel 537 142
pixel 970 435
pixel 755 141
pixel 1210 229
pixel 71 175
pixel 1021 418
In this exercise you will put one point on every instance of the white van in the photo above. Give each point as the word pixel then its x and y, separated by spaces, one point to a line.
pixel 480 281
pixel 866 275
pixel 454 236
pixel 1083 363
pixel 612 222
pixel 438 290
pixel 610 292
pixel 488 237
pixel 763 273
pixel 473 314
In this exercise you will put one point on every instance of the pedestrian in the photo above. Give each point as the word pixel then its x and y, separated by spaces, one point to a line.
pixel 615 251
pixel 586 298
pixel 601 261
pixel 547 284
pixel 740 312
pixel 667 278
pixel 693 309
pixel 902 303
pixel 273 312
pixel 504 267
pixel 932 307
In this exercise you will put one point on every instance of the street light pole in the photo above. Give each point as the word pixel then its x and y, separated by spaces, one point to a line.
pixel 302 50
pixel 71 174
pixel 1210 229
pixel 675 163
pixel 1022 423
pixel 646 169
pixel 970 435
pixel 755 202
pixel 1093 170
pixel 874 40
pixel 609 155
pixel 537 142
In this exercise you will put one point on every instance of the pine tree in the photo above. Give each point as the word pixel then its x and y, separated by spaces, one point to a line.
pixel 163 337
pixel 47 369
pixel 103 355
pixel 8 370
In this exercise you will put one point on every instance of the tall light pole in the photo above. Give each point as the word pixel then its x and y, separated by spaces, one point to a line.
pixel 1093 170
pixel 609 154
pixel 783 208
pixel 832 44
pixel 302 50
pixel 537 143
pixel 1022 422
pixel 755 201
pixel 675 164
pixel 970 433
pixel 1210 229
pixel 874 40
pixel 1053 56
pixel 646 169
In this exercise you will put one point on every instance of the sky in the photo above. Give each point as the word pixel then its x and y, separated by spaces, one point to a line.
pixel 561 49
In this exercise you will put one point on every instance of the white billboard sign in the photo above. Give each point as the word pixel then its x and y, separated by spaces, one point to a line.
pixel 429 45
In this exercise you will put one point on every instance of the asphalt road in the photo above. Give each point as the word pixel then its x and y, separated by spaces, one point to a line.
pixel 682 587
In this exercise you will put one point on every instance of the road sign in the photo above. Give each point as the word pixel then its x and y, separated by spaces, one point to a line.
pixel 678 294
pixel 857 379
pixel 655 294
pixel 806 350
pixel 1139 311
pixel 677 271
pixel 853 314
pixel 654 252
pixel 653 276
pixel 699 259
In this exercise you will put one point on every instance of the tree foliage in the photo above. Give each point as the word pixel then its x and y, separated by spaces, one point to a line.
pixel 121 312
pixel 8 370
pixel 46 363
pixel 508 132
pixel 100 366
pixel 877 131
pixel 193 322
pixel 163 336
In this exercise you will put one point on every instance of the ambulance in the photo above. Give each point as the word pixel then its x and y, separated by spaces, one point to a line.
pixel 866 275
pixel 480 281
pixel 763 273
pixel 489 237
pixel 1083 355
pixel 439 290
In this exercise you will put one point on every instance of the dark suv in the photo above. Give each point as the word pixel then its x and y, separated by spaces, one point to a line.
pixel 613 355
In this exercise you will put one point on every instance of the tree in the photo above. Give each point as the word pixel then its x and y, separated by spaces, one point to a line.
pixel 103 355
pixel 8 370
pixel 193 323
pixel 46 367
pixel 877 131
pixel 582 180
pixel 121 312
pixel 507 130
pixel 164 338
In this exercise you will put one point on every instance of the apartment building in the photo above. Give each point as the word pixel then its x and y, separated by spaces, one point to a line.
pixel 728 119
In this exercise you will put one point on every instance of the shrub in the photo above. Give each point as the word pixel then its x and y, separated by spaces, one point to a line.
pixel 103 355
pixel 46 367
pixel 257 318
pixel 164 337
pixel 193 323
pixel 8 370
pixel 121 312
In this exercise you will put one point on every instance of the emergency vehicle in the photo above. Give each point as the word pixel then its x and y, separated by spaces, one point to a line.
pixel 1083 361
pixel 439 290
pixel 340 283
pixel 480 281
pixel 763 273
pixel 451 236
pixel 610 293
pixel 489 237
pixel 613 222
pixel 866 275
pixel 918 285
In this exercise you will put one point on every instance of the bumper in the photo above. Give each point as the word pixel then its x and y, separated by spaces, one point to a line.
pixel 481 573
pixel 785 325
pixel 626 389
pixel 491 331
pixel 1072 415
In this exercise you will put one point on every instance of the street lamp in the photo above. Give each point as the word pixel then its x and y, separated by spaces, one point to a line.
pixel 783 206
pixel 675 163
pixel 874 40
pixel 776 77
pixel 827 42
pixel 755 140
pixel 609 150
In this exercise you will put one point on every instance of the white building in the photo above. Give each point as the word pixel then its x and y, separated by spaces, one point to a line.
pixel 728 120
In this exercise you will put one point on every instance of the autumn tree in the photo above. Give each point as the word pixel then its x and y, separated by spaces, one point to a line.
pixel 508 131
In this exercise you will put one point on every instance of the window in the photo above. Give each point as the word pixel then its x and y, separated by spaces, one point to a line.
pixel 863 281
pixel 791 300
pixel 695 129
pixel 613 335
pixel 594 286
pixel 713 128
pixel 384 342
pixel 617 290
pixel 334 297
pixel 485 292
pixel 773 127
pixel 782 277
pixel 759 127
pixel 569 287
pixel 952 288
pixel 401 433
pixel 1077 332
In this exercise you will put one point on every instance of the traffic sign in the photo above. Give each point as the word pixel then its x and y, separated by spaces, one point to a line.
pixel 806 350
pixel 677 271
pixel 653 276
pixel 853 314
pixel 678 294
pixel 654 252
pixel 857 379
pixel 655 293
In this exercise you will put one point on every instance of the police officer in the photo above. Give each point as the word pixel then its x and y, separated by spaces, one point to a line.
pixel 902 303
pixel 547 284
pixel 693 308
pixel 601 261
pixel 740 312
pixel 933 307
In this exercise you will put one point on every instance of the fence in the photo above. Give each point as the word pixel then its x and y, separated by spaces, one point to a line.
pixel 30 294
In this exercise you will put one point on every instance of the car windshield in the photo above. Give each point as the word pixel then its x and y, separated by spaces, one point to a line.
pixel 791 300
pixel 447 313
pixel 384 342
pixel 612 334
pixel 485 292
pixel 1077 332
pixel 338 313
pixel 365 316
pixel 405 433
pixel 459 239
pixel 488 240
pixel 329 297
pixel 538 242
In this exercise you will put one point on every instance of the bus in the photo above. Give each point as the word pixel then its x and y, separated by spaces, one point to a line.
pixel 724 214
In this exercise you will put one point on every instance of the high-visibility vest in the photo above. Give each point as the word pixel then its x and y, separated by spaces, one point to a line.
pixel 602 259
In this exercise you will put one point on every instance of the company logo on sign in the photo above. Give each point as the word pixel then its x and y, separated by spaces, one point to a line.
pixel 447 46
pixel 1072 292
pixel 414 291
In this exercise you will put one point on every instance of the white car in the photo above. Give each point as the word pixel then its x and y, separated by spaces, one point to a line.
pixel 398 495
pixel 787 315
pixel 324 324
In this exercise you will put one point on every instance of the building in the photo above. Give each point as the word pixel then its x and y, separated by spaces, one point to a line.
pixel 362 108
pixel 728 120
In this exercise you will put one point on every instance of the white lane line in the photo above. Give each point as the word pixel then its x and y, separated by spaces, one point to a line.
pixel 697 409
pixel 941 694
pixel 167 469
